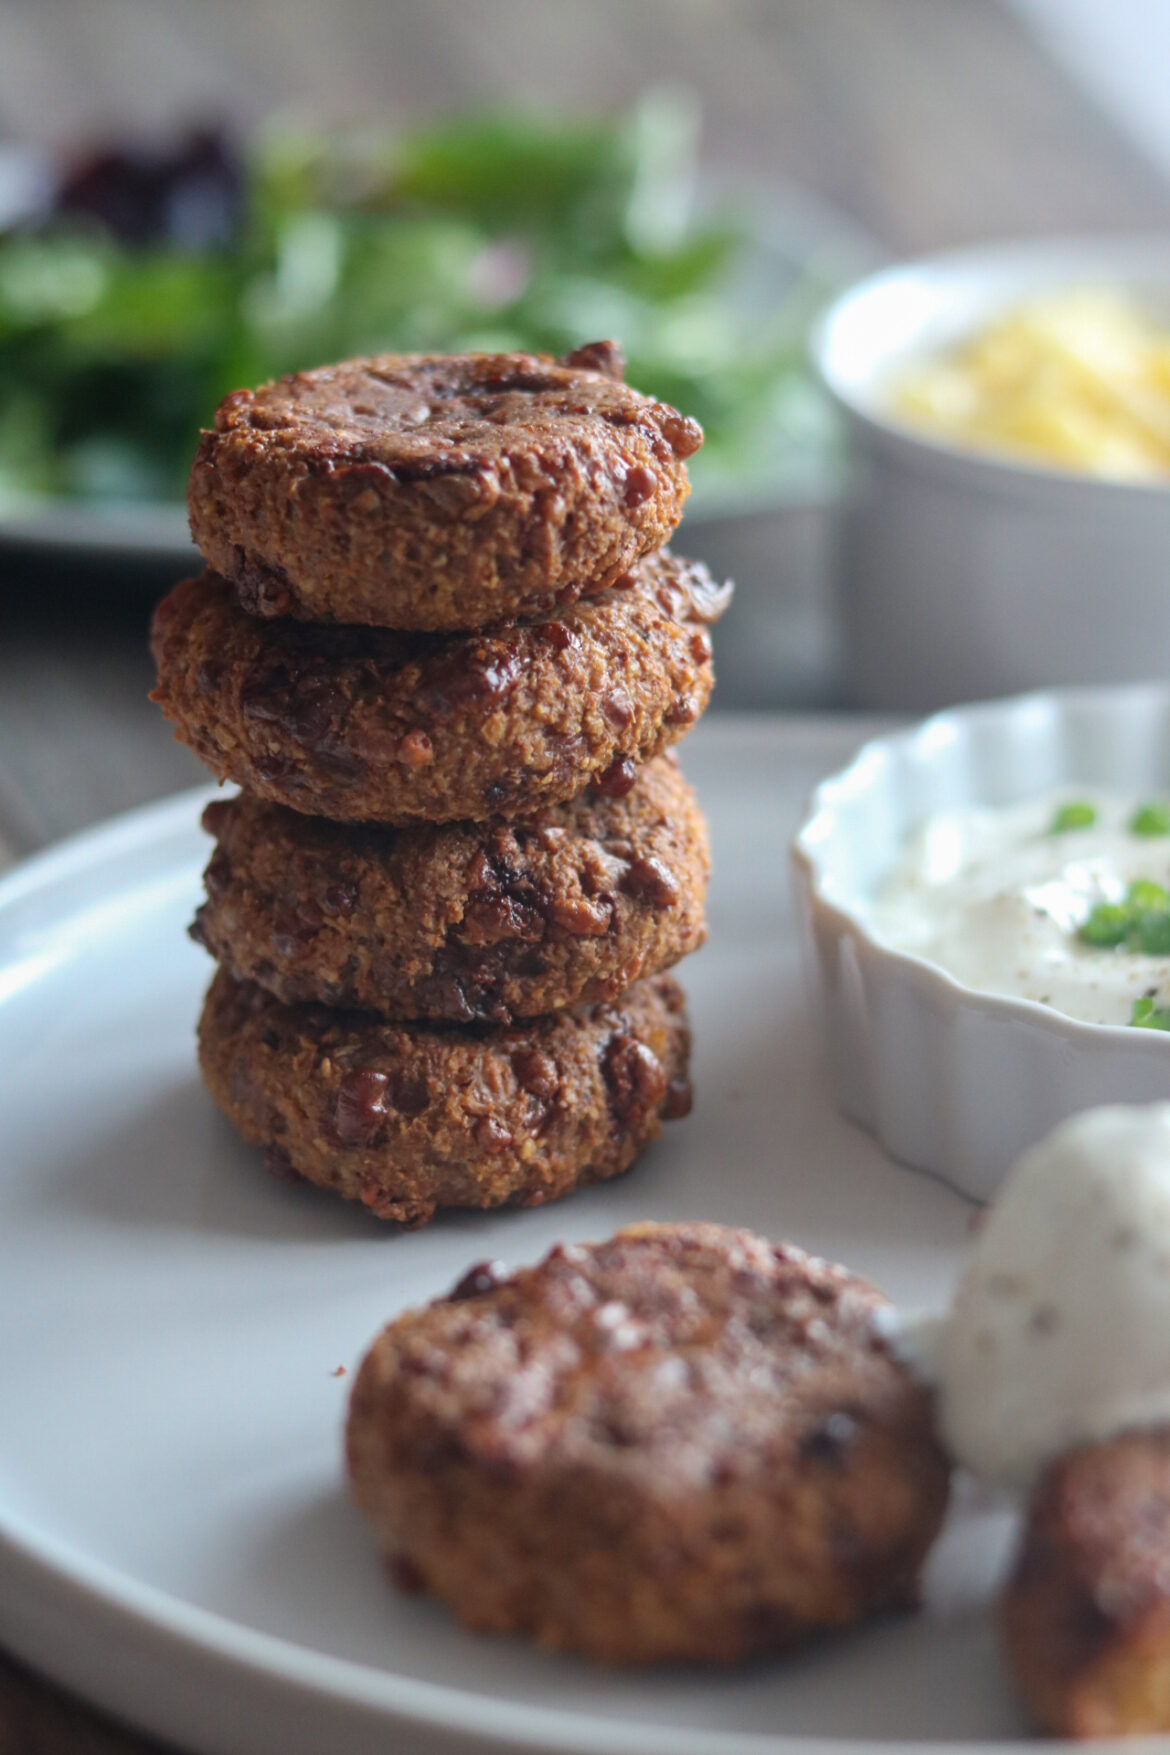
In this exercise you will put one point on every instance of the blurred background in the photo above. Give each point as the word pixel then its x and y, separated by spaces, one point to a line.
pixel 194 196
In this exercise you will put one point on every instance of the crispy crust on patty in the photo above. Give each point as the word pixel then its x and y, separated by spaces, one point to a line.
pixel 437 491
pixel 678 1444
pixel 1086 1615
pixel 460 922
pixel 359 723
pixel 407 1119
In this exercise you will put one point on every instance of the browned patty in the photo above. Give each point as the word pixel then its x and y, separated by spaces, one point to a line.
pixel 678 1444
pixel 465 921
pixel 438 491
pixel 361 723
pixel 1086 1614
pixel 407 1119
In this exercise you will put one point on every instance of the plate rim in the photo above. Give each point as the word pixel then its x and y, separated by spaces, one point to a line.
pixel 153 533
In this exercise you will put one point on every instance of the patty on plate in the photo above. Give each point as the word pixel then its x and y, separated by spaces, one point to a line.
pixel 361 723
pixel 438 491
pixel 1086 1613
pixel 408 1118
pixel 683 1443
pixel 462 921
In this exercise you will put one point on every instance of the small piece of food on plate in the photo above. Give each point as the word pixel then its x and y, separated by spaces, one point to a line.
pixel 1085 1617
pixel 1059 1334
pixel 446 491
pixel 358 723
pixel 1079 379
pixel 683 1443
pixel 1064 899
pixel 460 922
pixel 408 1118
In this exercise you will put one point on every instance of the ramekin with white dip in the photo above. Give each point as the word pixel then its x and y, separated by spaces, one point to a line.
pixel 959 1069
pixel 970 567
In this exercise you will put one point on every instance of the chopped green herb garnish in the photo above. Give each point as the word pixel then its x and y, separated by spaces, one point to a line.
pixel 1153 935
pixel 1140 923
pixel 1077 815
pixel 1150 820
pixel 1148 1015
pixel 1144 896
pixel 1106 926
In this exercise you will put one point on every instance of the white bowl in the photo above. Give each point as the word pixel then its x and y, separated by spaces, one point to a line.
pixel 951 1080
pixel 969 573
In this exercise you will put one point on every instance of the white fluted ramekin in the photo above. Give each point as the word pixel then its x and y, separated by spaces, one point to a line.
pixel 949 1079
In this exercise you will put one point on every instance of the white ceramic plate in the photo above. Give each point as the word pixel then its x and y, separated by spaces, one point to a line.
pixel 175 1541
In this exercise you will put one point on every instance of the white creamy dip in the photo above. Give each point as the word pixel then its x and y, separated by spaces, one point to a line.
pixel 997 900
pixel 1059 1333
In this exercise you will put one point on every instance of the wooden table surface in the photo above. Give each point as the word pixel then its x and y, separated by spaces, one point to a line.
pixel 926 122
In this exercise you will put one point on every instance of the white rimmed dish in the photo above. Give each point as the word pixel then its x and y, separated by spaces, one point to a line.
pixel 951 1080
pixel 174 1537
pixel 966 573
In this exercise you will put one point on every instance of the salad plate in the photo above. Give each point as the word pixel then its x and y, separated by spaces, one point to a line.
pixel 181 1331
pixel 66 530
pixel 141 284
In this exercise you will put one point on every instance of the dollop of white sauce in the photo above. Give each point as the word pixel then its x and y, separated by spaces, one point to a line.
pixel 1059 1333
pixel 996 899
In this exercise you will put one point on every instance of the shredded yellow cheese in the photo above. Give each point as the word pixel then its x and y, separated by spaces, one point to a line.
pixel 1080 380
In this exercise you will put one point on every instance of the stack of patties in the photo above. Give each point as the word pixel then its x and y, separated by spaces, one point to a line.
pixel 444 655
